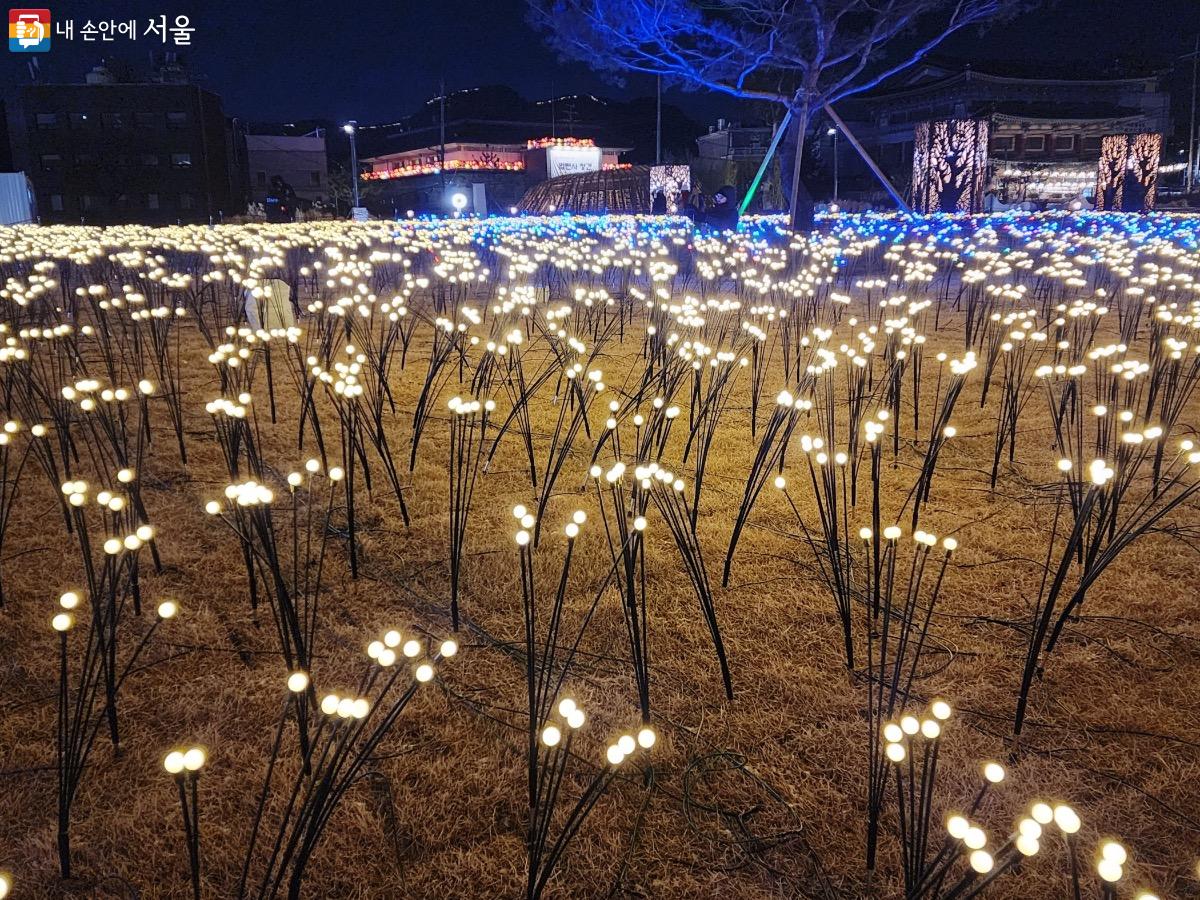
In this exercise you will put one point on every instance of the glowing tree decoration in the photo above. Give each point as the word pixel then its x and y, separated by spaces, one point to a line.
pixel 949 165
pixel 1127 175
pixel 671 180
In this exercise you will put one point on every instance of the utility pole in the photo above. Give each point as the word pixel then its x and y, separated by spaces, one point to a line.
pixel 1191 165
pixel 658 119
pixel 833 133
pixel 442 135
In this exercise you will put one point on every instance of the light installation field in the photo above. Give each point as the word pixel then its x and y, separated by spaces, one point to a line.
pixel 572 556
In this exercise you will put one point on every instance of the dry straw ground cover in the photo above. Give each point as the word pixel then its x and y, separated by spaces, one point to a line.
pixel 601 558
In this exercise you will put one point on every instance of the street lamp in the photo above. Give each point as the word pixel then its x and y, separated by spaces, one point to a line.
pixel 833 133
pixel 351 128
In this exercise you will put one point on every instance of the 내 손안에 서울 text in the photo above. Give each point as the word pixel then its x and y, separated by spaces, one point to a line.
pixel 31 30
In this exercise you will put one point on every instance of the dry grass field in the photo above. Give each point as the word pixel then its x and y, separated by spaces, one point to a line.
pixel 764 795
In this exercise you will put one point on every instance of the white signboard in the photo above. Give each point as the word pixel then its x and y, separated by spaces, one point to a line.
pixel 571 160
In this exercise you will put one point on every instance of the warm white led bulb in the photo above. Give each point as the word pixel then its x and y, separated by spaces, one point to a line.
pixel 1114 851
pixel 1066 819
pixel 194 759
pixel 982 862
pixel 1109 870
pixel 956 827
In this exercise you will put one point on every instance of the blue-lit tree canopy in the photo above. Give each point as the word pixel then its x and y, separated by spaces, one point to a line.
pixel 802 55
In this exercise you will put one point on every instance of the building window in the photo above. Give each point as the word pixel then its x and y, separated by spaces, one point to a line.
pixel 152 201
pixel 1035 143
pixel 181 160
pixel 89 201
pixel 1004 143
pixel 146 119
pixel 185 201
pixel 78 120
pixel 46 121
pixel 148 159
pixel 314 179
pixel 1064 143
pixel 177 120
pixel 85 159
pixel 1092 144
pixel 261 177
pixel 51 161
pixel 56 202
pixel 113 120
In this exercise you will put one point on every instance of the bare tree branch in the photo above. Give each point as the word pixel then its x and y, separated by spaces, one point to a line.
pixel 802 54
pixel 825 49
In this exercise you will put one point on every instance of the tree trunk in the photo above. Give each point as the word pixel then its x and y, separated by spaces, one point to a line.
pixel 799 216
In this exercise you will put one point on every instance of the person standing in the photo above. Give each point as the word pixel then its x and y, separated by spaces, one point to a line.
pixel 724 212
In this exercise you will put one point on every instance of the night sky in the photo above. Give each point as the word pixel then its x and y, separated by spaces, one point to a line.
pixel 278 61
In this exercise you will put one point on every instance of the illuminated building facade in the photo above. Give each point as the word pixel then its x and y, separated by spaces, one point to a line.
pixel 1045 134
pixel 504 143
pixel 460 157
pixel 422 177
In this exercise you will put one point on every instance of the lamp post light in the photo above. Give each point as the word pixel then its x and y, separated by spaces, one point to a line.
pixel 833 133
pixel 351 128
